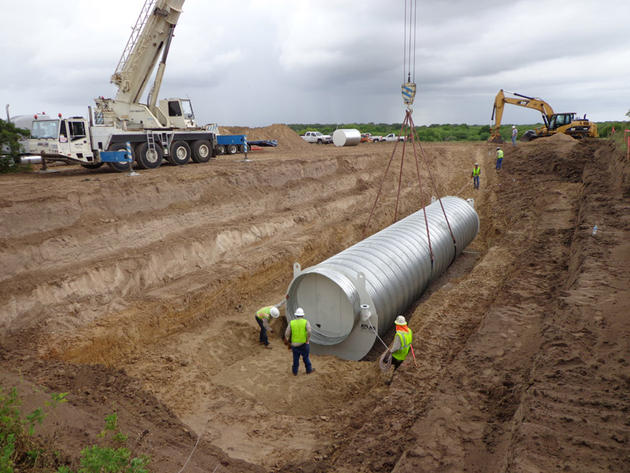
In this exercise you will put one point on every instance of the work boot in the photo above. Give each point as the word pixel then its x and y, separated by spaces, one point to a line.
pixel 309 372
pixel 268 346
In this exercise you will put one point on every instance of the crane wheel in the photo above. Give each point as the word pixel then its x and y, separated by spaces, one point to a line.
pixel 220 149
pixel 120 167
pixel 148 158
pixel 232 149
pixel 201 151
pixel 179 153
pixel 92 165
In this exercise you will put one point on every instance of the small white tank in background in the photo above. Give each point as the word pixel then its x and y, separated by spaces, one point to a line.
pixel 346 137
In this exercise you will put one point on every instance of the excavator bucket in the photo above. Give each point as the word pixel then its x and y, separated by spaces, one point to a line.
pixel 495 138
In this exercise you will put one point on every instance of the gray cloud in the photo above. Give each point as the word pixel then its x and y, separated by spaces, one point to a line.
pixel 256 62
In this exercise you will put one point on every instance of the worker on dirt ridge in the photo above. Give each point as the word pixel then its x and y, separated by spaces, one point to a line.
pixel 475 175
pixel 499 158
pixel 262 318
pixel 298 334
pixel 514 134
pixel 399 349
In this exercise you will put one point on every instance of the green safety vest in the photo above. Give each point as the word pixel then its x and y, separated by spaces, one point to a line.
pixel 500 154
pixel 264 313
pixel 405 342
pixel 298 330
pixel 476 171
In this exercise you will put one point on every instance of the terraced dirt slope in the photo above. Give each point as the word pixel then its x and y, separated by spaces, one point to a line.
pixel 137 294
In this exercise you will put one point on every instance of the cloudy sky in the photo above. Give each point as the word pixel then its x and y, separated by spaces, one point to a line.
pixel 258 62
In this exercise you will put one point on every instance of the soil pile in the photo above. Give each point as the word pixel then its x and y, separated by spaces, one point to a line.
pixel 288 140
pixel 557 138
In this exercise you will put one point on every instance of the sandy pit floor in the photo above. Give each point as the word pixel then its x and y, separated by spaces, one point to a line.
pixel 137 295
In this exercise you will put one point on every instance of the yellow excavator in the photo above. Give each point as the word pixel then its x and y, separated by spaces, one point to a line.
pixel 553 122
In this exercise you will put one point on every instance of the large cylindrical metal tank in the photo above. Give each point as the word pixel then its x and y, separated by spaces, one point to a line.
pixel 361 290
pixel 346 137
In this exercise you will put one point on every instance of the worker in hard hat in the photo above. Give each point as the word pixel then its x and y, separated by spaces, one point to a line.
pixel 514 134
pixel 262 318
pixel 499 158
pixel 298 334
pixel 399 349
pixel 475 175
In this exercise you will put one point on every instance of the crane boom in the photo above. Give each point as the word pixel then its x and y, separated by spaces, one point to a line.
pixel 151 35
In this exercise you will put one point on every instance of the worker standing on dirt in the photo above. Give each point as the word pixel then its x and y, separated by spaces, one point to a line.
pixel 499 158
pixel 262 318
pixel 399 349
pixel 475 175
pixel 514 134
pixel 298 334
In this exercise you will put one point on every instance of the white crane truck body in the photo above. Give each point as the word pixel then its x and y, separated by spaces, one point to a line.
pixel 154 131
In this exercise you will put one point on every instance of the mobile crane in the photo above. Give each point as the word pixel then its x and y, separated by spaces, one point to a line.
pixel 155 130
pixel 553 122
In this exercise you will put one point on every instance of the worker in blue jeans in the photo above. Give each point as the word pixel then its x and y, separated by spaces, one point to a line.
pixel 263 316
pixel 499 158
pixel 475 175
pixel 298 334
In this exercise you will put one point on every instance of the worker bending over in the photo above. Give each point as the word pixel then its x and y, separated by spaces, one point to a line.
pixel 262 318
pixel 499 157
pixel 298 334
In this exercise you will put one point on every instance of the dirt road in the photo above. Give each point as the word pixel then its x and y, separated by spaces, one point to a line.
pixel 137 295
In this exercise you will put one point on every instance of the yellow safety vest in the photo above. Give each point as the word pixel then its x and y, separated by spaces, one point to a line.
pixel 264 313
pixel 298 330
pixel 476 171
pixel 500 154
pixel 405 345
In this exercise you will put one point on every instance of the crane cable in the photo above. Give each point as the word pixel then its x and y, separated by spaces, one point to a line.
pixel 408 128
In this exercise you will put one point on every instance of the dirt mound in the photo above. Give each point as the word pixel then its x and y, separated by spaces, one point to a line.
pixel 558 138
pixel 288 140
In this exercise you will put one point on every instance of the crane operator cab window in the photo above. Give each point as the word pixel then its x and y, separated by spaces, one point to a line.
pixel 63 133
pixel 174 110
pixel 77 130
pixel 188 111
pixel 42 129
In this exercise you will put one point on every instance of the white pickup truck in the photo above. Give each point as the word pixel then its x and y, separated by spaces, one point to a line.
pixel 316 137
pixel 393 137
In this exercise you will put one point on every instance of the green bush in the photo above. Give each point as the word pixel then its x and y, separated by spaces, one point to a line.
pixel 19 451
pixel 111 458
pixel 10 146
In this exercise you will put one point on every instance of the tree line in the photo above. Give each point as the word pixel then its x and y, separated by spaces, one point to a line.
pixel 443 132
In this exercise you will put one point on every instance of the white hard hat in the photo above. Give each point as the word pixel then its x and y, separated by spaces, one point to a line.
pixel 400 320
pixel 498 147
pixel 299 312
pixel 275 313
pixel 513 126
pixel 476 164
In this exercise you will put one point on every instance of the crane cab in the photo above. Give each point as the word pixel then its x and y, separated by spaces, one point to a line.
pixel 179 112
pixel 64 138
